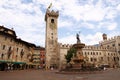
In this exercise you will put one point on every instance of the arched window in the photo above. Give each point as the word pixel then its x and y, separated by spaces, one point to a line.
pixel 2 56
pixel 9 49
pixel 88 53
pixel 91 59
pixel 52 20
pixel 3 47
pixel 118 58
pixel 91 53
pixel 96 53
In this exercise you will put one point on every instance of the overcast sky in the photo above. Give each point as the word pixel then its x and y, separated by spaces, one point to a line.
pixel 91 17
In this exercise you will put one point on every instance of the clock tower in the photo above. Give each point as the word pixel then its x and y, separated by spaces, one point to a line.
pixel 51 43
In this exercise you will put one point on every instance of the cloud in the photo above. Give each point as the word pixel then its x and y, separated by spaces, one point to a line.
pixel 113 2
pixel 64 23
pixel 27 18
pixel 113 33
pixel 108 25
pixel 118 7
pixel 67 40
pixel 82 12
pixel 88 25
pixel 91 39
pixel 112 26
pixel 93 13
pixel 112 13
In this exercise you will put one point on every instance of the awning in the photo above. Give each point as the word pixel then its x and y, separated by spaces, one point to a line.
pixel 18 62
pixel 4 61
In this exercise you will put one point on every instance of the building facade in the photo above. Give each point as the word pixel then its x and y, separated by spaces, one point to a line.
pixel 97 55
pixel 113 42
pixel 14 52
pixel 36 57
pixel 62 50
pixel 42 57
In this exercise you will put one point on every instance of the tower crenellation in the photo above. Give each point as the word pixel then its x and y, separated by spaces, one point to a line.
pixel 65 45
pixel 110 39
pixel 51 13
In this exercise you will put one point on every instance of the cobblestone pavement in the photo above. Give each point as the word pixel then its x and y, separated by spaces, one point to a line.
pixel 112 74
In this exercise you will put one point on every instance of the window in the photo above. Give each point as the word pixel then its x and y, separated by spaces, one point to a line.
pixel 95 59
pixel 91 59
pixel 88 53
pixel 96 53
pixel 111 54
pixel 9 48
pixel 118 58
pixel 17 49
pixel 2 55
pixel 102 58
pixel 52 20
pixel 51 33
pixel 119 44
pixel 114 54
pixel 3 47
pixel 113 45
pixel 91 53
pixel 114 58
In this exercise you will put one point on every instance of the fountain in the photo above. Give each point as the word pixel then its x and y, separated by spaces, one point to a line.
pixel 78 59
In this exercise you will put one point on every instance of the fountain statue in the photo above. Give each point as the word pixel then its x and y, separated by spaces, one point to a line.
pixel 77 37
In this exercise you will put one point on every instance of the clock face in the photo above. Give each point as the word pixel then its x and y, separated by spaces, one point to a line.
pixel 52 26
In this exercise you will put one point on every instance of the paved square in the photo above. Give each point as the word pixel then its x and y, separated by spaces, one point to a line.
pixel 112 74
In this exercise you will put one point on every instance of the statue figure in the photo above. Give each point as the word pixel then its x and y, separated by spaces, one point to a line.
pixel 49 6
pixel 78 39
